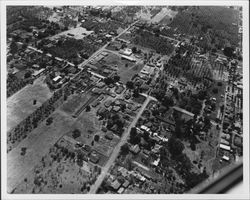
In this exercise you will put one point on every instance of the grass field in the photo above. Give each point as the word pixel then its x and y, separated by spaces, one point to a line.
pixel 125 69
pixel 38 143
pixel 79 33
pixel 165 13
pixel 75 102
pixel 127 73
pixel 20 105
pixel 41 139
pixel 61 177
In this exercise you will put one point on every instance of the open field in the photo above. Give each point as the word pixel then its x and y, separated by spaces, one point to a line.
pixel 77 33
pixel 165 13
pixel 38 143
pixel 125 69
pixel 41 139
pixel 57 176
pixel 168 16
pixel 75 102
pixel 20 105
pixel 126 74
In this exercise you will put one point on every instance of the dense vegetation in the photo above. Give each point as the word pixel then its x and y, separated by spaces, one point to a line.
pixel 213 22
pixel 159 44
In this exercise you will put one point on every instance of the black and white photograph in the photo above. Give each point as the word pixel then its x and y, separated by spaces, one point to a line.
pixel 124 99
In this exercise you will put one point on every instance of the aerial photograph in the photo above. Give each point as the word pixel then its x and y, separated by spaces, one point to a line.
pixel 122 99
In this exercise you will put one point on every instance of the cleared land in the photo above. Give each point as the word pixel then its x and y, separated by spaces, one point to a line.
pixel 165 13
pixel 125 69
pixel 77 33
pixel 41 139
pixel 20 105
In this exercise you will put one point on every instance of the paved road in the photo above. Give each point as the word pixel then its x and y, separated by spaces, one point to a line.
pixel 116 150
pixel 222 121
pixel 148 96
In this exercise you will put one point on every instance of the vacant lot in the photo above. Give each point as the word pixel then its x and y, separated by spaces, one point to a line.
pixel 77 33
pixel 127 73
pixel 125 69
pixel 20 105
pixel 75 102
pixel 165 13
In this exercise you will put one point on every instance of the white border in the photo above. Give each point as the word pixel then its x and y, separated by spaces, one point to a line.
pixel 244 195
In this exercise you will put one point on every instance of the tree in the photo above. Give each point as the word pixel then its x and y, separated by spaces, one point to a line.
pixel 167 101
pixel 125 149
pixel 136 93
pixel 76 133
pixel 116 78
pixel 215 90
pixel 27 74
pixel 108 81
pixel 88 108
pixel 202 94
pixel 109 14
pixel 134 136
pixel 130 85
pixel 219 83
pixel 134 50
pixel 97 138
pixel 123 46
pixel 229 52
pixel 13 47
pixel 175 146
pixel 24 46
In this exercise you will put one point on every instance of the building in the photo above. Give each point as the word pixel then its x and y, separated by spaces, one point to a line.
pixel 121 190
pixel 38 73
pixel 147 70
pixel 115 185
pixel 128 58
pixel 126 184
pixel 135 149
pixel 226 158
pixel 94 157
pixel 57 79
pixel 109 135
pixel 127 52
pixel 36 66
pixel 225 147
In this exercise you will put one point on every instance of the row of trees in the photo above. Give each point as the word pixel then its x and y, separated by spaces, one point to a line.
pixel 14 84
pixel 20 132
pixel 159 44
